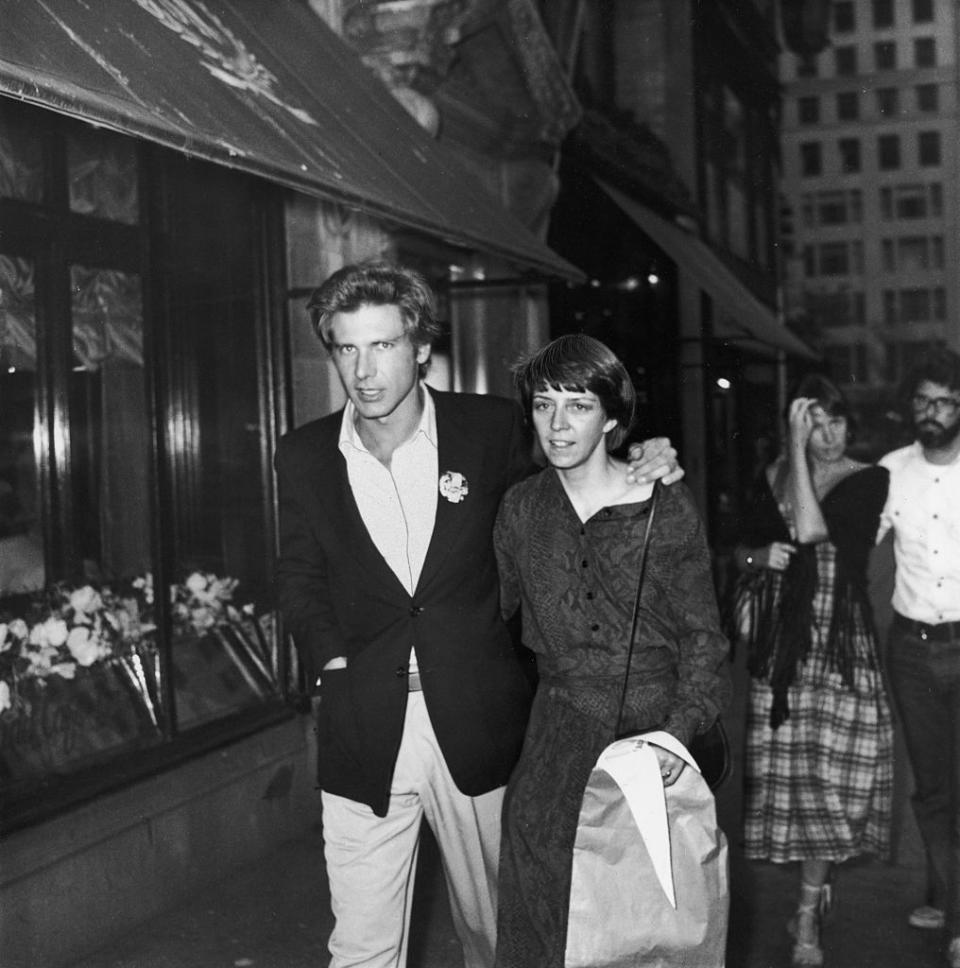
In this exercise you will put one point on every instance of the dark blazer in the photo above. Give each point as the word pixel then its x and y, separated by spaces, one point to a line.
pixel 338 596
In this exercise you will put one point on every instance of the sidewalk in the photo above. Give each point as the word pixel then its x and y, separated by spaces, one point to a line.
pixel 276 914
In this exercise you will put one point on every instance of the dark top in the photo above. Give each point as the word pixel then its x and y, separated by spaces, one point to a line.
pixel 779 606
pixel 576 583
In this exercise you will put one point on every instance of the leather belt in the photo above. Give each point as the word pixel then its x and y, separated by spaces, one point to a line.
pixel 413 678
pixel 944 632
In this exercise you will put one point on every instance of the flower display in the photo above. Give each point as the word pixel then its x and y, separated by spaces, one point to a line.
pixel 68 629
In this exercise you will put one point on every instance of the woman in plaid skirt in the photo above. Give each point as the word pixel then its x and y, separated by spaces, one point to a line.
pixel 819 763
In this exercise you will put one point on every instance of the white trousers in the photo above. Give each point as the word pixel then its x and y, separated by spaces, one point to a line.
pixel 371 860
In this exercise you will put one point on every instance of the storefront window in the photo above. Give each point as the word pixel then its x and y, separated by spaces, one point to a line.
pixel 21 159
pixel 135 441
pixel 103 175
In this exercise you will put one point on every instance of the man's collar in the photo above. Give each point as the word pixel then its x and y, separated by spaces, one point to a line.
pixel 426 426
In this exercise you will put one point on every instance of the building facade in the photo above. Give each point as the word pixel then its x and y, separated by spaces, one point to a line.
pixel 870 194
pixel 174 180
pixel 669 202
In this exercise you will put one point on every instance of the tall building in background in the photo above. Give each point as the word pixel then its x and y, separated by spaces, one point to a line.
pixel 668 201
pixel 869 207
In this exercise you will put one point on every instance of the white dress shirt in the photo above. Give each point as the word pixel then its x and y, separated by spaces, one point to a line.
pixel 398 504
pixel 923 509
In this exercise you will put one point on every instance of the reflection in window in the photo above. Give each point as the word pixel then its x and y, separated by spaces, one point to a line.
pixel 103 175
pixel 21 541
pixel 21 171
pixel 109 424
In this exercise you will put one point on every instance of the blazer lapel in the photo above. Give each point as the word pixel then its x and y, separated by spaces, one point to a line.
pixel 454 453
pixel 348 525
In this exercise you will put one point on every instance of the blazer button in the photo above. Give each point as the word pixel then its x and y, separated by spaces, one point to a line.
pixel 401 671
pixel 416 610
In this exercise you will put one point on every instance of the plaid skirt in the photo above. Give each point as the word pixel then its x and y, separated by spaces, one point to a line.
pixel 819 787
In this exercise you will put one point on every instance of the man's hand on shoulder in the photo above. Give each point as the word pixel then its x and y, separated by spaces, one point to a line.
pixel 652 460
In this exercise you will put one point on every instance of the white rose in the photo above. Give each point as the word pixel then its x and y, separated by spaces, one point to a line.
pixel 66 670
pixel 85 600
pixel 56 631
pixel 18 628
pixel 197 583
pixel 4 644
pixel 82 646
pixel 5 701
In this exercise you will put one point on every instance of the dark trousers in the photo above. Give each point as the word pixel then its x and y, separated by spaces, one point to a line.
pixel 925 680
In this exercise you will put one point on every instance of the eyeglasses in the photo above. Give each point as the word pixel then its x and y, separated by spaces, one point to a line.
pixel 942 406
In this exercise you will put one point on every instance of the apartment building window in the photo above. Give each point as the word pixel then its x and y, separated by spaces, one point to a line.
pixel 914 305
pixel 911 201
pixel 843 16
pixel 882 13
pixel 924 52
pixel 884 55
pixel 936 252
pixel 806 65
pixel 888 152
pixel 913 253
pixel 832 208
pixel 849 155
pixel 936 200
pixel 834 259
pixel 808 110
pixel 887 258
pixel 811 162
pixel 833 309
pixel 928 97
pixel 848 106
pixel 928 148
pixel 939 303
pixel 845 60
pixel 888 101
pixel 922 11
pixel 889 307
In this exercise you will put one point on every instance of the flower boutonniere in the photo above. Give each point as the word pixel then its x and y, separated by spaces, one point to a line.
pixel 453 486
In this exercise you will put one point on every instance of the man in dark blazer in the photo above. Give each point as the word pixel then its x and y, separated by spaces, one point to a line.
pixel 388 583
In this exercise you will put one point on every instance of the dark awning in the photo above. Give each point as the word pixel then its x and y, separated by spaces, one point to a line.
pixel 265 87
pixel 743 319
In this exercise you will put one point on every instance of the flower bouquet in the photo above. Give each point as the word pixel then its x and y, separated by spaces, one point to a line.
pixel 80 671
pixel 77 677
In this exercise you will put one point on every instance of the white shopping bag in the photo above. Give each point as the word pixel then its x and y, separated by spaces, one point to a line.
pixel 650 882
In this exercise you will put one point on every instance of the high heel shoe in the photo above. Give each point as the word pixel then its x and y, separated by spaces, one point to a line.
pixel 804 926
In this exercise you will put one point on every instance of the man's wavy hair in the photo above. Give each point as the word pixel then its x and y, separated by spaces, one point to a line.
pixel 940 365
pixel 377 282
pixel 578 363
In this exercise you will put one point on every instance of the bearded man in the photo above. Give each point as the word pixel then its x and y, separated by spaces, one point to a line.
pixel 923 510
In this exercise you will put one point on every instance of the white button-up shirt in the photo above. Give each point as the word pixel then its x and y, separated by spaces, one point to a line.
pixel 923 509
pixel 398 504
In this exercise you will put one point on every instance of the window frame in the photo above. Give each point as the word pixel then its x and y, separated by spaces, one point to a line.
pixel 57 238
pixel 885 55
